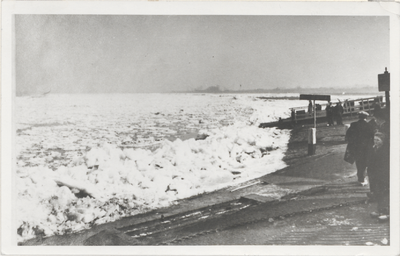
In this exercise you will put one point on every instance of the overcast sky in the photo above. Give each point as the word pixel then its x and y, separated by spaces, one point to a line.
pixel 109 53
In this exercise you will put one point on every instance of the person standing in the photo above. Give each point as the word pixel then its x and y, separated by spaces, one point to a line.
pixel 376 106
pixel 329 113
pixel 379 167
pixel 310 107
pixel 293 116
pixel 360 137
pixel 338 113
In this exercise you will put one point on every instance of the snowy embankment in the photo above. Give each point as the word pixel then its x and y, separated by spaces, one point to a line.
pixel 112 178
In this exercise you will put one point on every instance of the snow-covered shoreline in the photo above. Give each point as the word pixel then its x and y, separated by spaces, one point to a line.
pixel 79 165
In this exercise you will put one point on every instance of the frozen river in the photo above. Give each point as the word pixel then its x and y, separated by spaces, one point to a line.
pixel 93 158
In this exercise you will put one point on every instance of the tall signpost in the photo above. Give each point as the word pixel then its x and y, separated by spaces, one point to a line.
pixel 384 85
pixel 312 133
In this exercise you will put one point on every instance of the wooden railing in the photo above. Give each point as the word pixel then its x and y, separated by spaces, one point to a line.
pixel 349 106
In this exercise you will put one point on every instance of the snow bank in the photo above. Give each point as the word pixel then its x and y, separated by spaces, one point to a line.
pixel 64 185
pixel 123 182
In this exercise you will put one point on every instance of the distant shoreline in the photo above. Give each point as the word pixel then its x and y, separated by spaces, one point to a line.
pixel 299 90
pixel 369 92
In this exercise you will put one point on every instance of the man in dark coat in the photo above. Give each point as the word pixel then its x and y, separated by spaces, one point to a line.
pixel 379 167
pixel 376 106
pixel 310 107
pixel 293 117
pixel 329 114
pixel 360 136
pixel 338 113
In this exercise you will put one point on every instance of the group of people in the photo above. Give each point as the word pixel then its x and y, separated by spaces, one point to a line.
pixel 369 147
pixel 334 113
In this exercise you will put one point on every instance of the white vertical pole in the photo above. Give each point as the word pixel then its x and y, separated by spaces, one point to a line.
pixel 312 141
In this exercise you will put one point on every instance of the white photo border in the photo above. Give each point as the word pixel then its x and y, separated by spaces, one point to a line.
pixel 11 8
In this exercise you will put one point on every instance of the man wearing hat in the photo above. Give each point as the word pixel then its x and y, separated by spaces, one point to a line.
pixel 360 136
pixel 379 167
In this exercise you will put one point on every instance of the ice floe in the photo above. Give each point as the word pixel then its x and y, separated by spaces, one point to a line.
pixel 89 159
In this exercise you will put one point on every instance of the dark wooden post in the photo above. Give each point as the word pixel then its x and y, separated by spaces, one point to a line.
pixel 315 114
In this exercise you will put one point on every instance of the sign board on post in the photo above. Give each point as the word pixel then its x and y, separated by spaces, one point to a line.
pixel 315 97
pixel 312 138
pixel 384 81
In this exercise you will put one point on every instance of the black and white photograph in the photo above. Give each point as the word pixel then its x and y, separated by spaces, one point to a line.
pixel 200 128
